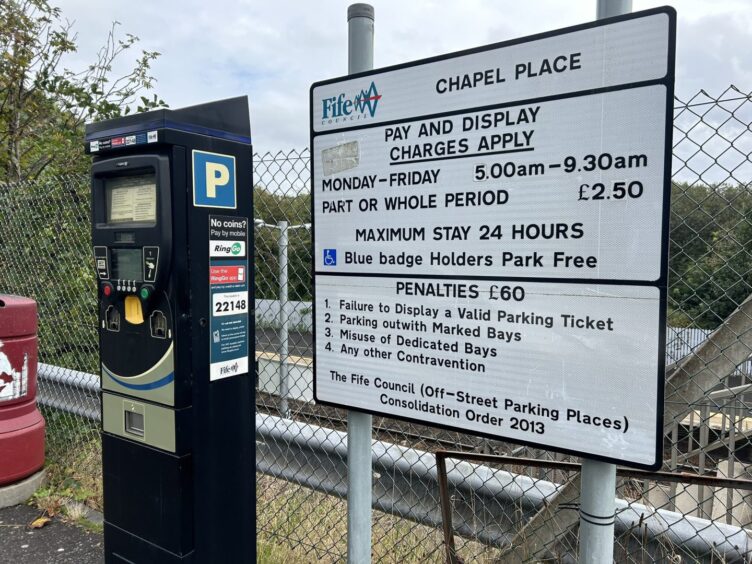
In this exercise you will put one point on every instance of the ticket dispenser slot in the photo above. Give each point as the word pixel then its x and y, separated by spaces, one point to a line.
pixel 134 419
pixel 177 446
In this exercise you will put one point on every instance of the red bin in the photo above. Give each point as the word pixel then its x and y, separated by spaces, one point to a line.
pixel 21 423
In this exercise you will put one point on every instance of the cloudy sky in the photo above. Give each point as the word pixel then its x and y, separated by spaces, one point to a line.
pixel 273 50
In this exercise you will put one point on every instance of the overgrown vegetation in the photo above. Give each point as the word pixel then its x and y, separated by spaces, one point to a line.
pixel 44 105
pixel 273 208
pixel 45 254
pixel 73 466
pixel 295 515
pixel 710 252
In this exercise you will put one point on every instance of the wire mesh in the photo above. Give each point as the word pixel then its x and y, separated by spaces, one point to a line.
pixel 45 254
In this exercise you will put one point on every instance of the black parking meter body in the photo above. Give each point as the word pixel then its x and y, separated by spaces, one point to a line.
pixel 172 236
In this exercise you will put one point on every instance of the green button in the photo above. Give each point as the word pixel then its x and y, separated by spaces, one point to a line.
pixel 144 293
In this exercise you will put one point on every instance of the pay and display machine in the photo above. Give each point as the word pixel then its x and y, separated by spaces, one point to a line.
pixel 171 231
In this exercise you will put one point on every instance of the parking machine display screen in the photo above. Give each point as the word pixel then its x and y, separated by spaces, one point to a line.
pixel 126 264
pixel 131 199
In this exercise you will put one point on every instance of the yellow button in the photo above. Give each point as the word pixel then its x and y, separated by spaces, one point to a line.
pixel 133 312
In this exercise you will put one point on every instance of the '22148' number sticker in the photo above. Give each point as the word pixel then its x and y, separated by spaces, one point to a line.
pixel 229 303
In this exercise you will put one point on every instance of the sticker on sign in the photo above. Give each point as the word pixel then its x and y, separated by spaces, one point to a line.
pixel 229 303
pixel 491 234
pixel 226 274
pixel 226 248
pixel 229 289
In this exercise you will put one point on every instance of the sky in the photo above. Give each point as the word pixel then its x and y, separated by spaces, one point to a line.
pixel 274 50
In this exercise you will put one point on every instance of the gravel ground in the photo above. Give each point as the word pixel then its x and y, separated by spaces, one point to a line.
pixel 55 543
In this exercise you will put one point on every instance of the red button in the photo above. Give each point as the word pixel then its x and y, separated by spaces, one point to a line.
pixel 107 290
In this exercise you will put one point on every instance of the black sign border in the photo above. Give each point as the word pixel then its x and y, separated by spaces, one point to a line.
pixel 661 283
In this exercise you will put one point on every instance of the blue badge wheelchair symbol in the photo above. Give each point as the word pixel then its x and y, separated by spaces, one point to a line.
pixel 330 257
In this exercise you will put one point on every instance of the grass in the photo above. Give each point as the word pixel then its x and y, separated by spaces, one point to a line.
pixel 313 528
pixel 91 526
pixel 73 469
pixel 73 464
pixel 295 525
pixel 269 553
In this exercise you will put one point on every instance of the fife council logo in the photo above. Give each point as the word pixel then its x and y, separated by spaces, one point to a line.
pixel 231 369
pixel 340 108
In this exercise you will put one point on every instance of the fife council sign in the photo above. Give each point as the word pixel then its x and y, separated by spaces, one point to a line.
pixel 490 248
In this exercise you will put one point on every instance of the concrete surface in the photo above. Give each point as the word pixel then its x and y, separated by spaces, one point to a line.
pixel 55 543
pixel 20 491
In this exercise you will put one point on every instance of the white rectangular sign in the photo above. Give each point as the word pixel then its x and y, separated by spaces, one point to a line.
pixel 490 246
pixel 586 208
pixel 566 61
pixel 533 362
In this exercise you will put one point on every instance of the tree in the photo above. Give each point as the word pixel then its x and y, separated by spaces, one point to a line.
pixel 43 106
pixel 272 208
pixel 709 260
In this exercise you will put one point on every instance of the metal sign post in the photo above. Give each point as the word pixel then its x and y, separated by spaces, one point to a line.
pixel 360 19
pixel 598 479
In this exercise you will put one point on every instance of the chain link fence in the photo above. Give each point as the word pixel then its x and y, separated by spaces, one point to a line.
pixel 45 254
pixel 502 511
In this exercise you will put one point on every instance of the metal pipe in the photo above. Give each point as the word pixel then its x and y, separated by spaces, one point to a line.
pixel 598 479
pixel 658 476
pixel 611 8
pixel 360 20
pixel 284 319
pixel 597 511
pixel 406 486
pixel 68 377
pixel 446 510
pixel 730 392
pixel 731 473
pixel 704 438
pixel 674 464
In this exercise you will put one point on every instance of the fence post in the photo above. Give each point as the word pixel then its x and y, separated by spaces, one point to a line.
pixel 284 319
pixel 360 18
pixel 598 479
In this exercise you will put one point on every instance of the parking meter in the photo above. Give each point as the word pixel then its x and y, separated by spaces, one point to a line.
pixel 171 194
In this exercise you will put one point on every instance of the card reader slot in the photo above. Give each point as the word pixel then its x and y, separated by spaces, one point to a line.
pixel 158 325
pixel 112 319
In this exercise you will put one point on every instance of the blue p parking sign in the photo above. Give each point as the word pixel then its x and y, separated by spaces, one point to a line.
pixel 213 180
